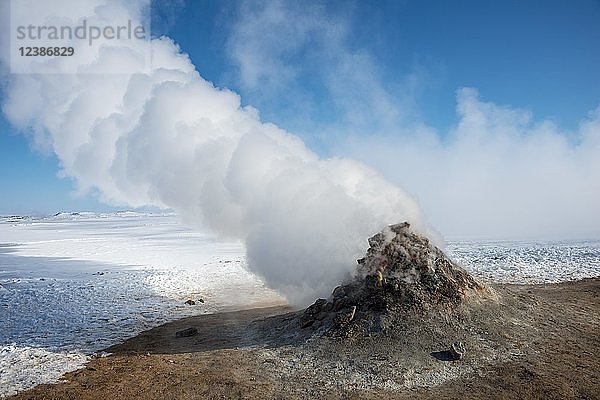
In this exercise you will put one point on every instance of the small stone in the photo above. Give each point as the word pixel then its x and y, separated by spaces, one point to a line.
pixel 316 307
pixel 379 276
pixel 457 350
pixel 190 303
pixel 308 318
pixel 187 332
pixel 339 292
pixel 399 228
pixel 376 240
pixel 201 300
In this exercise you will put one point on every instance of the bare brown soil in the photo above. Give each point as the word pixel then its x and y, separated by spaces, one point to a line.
pixel 535 342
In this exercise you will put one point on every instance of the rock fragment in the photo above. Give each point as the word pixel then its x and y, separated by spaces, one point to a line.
pixel 311 313
pixel 187 332
pixel 457 350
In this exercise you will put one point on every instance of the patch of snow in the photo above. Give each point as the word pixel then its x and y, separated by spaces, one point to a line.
pixel 23 367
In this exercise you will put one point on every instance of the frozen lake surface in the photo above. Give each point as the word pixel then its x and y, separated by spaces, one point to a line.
pixel 73 284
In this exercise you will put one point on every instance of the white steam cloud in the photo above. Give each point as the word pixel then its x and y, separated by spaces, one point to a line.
pixel 498 174
pixel 167 137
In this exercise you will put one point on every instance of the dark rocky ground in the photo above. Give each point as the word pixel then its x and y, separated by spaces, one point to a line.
pixel 385 334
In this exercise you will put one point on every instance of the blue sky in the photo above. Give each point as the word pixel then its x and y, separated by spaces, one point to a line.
pixel 339 72
pixel 539 55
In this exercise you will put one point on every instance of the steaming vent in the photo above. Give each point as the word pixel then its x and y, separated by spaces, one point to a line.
pixel 401 276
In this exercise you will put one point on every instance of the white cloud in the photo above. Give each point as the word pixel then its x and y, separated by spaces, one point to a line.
pixel 498 173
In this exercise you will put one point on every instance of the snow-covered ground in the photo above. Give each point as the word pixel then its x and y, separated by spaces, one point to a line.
pixel 73 284
pixel 505 261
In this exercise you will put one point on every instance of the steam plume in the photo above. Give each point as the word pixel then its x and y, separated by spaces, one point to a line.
pixel 167 137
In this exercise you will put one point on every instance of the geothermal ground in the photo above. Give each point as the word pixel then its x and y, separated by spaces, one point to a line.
pixel 537 341
pixel 410 324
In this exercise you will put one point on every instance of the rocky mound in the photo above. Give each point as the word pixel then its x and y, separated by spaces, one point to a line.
pixel 402 275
